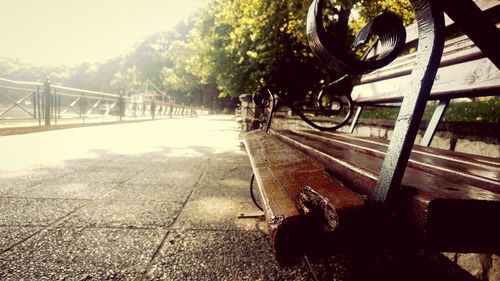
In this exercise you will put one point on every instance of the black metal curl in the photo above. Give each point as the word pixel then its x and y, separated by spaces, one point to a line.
pixel 336 90
pixel 251 193
pixel 267 100
pixel 259 99
pixel 342 64
pixel 338 59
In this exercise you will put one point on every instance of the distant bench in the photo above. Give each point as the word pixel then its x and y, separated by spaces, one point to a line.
pixel 325 192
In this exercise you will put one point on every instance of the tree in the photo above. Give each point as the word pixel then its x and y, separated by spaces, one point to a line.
pixel 232 47
pixel 243 45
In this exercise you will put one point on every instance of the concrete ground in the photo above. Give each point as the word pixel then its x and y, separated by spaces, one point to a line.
pixel 153 200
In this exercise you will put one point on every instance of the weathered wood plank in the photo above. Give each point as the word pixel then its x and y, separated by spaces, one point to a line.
pixel 475 78
pixel 464 70
pixel 458 169
pixel 445 213
pixel 457 50
pixel 287 179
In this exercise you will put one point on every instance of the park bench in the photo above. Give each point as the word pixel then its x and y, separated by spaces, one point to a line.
pixel 323 191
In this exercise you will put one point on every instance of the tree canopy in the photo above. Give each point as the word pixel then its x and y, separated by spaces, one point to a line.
pixel 231 47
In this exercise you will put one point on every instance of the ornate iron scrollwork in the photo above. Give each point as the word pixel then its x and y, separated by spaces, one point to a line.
pixel 337 58
pixel 265 99
pixel 342 64
pixel 333 100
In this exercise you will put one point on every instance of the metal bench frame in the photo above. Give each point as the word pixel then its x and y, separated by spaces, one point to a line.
pixel 430 21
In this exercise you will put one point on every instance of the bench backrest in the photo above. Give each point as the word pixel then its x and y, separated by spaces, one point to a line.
pixel 464 70
pixel 412 80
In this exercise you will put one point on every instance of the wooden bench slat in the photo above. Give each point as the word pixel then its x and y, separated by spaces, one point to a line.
pixel 464 70
pixel 282 173
pixel 434 205
pixel 456 50
pixel 369 165
pixel 477 174
pixel 477 78
pixel 449 155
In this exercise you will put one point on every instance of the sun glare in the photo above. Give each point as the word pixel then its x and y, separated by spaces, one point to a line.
pixel 185 138
pixel 62 32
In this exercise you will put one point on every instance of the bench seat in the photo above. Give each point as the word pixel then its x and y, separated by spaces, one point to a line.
pixel 449 200
pixel 295 213
pixel 453 198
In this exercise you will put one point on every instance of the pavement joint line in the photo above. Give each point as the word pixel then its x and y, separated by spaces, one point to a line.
pixel 215 230
pixel 63 218
pixel 118 184
pixel 169 227
pixel 127 227
pixel 23 225
pixel 46 198
pixel 100 199
pixel 97 197
pixel 47 227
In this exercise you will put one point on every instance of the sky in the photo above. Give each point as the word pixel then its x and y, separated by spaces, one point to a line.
pixel 69 32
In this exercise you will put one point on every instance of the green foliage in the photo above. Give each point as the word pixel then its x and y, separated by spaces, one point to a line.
pixel 458 111
pixel 481 111
pixel 230 48
pixel 370 9
pixel 257 43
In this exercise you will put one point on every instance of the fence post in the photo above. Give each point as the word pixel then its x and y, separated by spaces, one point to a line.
pixel 33 101
pixel 48 101
pixel 121 106
pixel 55 106
pixel 38 105
pixel 153 108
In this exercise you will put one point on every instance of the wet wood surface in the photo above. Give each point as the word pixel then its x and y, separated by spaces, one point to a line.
pixel 449 201
pixel 290 185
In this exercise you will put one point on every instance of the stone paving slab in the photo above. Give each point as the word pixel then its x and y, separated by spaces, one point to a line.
pixel 30 178
pixel 163 192
pixel 62 188
pixel 227 174
pixel 178 171
pixel 220 196
pixel 140 214
pixel 12 235
pixel 131 185
pixel 236 186
pixel 35 212
pixel 219 213
pixel 110 162
pixel 220 255
pixel 82 254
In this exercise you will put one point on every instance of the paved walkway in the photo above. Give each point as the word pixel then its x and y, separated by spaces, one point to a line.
pixel 139 201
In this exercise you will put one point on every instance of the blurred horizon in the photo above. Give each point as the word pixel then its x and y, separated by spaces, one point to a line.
pixel 67 33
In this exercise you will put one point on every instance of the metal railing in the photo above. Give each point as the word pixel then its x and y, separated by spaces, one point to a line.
pixel 20 100
pixel 48 104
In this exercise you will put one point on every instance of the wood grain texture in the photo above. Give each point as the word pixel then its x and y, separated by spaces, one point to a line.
pixel 447 209
pixel 472 78
pixel 282 174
